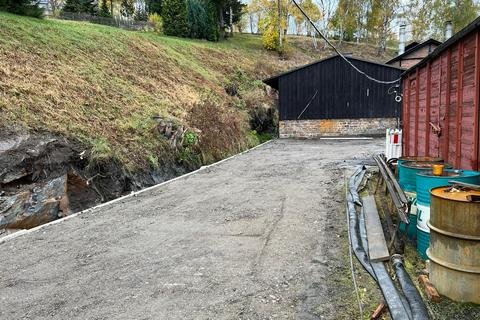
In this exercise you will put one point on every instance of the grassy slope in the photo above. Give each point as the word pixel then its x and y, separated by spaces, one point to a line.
pixel 103 84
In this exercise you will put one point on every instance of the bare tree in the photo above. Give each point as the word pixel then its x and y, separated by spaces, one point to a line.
pixel 55 6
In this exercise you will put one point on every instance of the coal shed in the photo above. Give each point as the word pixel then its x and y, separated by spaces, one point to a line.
pixel 330 98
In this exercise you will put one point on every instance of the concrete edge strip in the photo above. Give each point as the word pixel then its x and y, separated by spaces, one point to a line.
pixel 132 194
pixel 346 138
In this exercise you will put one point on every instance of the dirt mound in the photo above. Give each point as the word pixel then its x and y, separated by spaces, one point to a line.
pixel 44 177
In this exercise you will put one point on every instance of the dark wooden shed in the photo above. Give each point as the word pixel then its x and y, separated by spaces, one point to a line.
pixel 331 89
pixel 441 101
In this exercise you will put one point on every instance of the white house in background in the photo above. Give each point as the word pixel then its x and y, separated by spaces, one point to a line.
pixel 45 4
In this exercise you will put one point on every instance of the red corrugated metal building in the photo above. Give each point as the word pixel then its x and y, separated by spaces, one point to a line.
pixel 441 101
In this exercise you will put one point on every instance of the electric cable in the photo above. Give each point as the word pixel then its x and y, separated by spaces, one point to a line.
pixel 339 53
pixel 350 252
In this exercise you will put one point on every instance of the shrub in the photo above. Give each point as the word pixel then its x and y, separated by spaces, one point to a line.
pixel 153 161
pixel 223 130
pixel 157 22
pixel 100 152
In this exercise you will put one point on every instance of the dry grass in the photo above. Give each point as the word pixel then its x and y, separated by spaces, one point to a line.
pixel 99 83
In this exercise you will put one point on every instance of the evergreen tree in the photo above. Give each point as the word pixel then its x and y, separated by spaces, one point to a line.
pixel 127 8
pixel 80 6
pixel 104 10
pixel 22 7
pixel 202 20
pixel 236 7
pixel 175 18
pixel 153 6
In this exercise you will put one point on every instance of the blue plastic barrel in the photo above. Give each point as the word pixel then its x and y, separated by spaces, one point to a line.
pixel 426 181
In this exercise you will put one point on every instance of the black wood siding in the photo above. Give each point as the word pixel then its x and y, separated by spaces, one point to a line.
pixel 342 93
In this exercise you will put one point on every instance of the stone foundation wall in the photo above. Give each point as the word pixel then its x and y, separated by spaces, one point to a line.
pixel 334 127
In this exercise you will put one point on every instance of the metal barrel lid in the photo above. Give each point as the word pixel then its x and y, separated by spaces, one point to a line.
pixel 448 174
pixel 421 159
pixel 423 165
pixel 449 193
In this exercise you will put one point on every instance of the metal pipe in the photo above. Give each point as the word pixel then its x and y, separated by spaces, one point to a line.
pixel 401 38
pixel 448 29
pixel 398 196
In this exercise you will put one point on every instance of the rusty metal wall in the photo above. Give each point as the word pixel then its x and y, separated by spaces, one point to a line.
pixel 441 105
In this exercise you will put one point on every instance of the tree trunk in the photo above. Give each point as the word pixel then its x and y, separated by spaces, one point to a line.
pixel 221 22
pixel 251 23
pixel 279 26
pixel 231 22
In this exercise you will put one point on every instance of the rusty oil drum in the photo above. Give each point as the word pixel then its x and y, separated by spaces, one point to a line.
pixel 454 250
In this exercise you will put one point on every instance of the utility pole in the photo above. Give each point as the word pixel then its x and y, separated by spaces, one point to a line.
pixel 279 26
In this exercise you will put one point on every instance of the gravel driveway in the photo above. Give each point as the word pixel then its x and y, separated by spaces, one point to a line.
pixel 254 237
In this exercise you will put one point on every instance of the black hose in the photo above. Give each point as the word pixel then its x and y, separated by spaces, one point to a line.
pixel 418 307
pixel 357 247
pixel 397 304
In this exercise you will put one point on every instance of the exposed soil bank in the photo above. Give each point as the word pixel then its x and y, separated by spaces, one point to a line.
pixel 45 176
pixel 259 236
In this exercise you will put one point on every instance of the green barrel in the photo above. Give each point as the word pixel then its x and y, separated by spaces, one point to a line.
pixel 419 159
pixel 412 227
pixel 407 171
pixel 426 181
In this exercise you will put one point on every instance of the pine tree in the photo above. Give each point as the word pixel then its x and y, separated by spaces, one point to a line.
pixel 127 8
pixel 175 18
pixel 154 6
pixel 80 6
pixel 22 7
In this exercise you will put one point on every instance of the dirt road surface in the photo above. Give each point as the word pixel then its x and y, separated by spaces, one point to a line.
pixel 255 237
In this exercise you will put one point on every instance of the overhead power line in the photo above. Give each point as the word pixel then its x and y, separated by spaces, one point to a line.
pixel 339 53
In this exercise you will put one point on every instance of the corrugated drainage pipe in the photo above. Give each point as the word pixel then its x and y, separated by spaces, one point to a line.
pixel 419 310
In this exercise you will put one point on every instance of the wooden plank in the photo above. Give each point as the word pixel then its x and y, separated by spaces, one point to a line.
pixel 417 107
pixel 447 106
pixel 458 140
pixel 429 289
pixel 427 108
pixel 378 311
pixel 377 246
pixel 406 115
pixel 476 111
